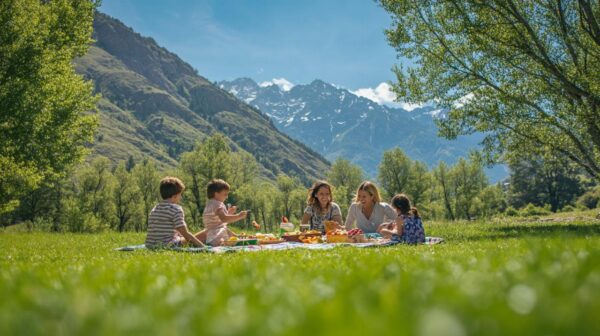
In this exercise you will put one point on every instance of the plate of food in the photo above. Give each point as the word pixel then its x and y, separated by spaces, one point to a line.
pixel 268 238
pixel 235 241
pixel 298 236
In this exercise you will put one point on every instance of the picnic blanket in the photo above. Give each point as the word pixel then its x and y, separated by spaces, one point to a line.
pixel 281 246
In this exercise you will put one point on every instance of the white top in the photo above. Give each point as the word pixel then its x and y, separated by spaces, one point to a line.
pixel 216 228
pixel 382 213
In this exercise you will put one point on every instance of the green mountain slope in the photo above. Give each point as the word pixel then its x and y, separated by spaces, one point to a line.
pixel 155 106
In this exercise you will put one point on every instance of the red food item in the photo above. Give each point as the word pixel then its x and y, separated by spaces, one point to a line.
pixel 354 232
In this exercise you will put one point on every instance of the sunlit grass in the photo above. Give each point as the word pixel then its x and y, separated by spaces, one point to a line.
pixel 497 278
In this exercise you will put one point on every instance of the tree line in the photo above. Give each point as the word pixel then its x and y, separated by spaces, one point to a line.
pixel 102 195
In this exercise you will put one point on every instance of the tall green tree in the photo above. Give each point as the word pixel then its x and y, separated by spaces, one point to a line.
pixel 209 160
pixel 44 104
pixel 443 177
pixel 542 180
pixel 468 180
pixel 394 172
pixel 125 197
pixel 344 173
pixel 524 72
pixel 147 179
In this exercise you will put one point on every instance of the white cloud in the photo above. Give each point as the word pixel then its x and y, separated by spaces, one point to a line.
pixel 383 95
pixel 460 102
pixel 283 83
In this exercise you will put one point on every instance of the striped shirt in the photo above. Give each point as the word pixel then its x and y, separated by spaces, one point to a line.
pixel 163 221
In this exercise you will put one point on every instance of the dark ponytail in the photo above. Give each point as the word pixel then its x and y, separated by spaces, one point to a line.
pixel 402 203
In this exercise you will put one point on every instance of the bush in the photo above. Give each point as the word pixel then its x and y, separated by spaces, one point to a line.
pixel 511 211
pixel 590 200
pixel 568 208
pixel 532 210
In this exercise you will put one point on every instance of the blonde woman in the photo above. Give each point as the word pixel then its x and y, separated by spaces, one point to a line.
pixel 368 212
pixel 321 207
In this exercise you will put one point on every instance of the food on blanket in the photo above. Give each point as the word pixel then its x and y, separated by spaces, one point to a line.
pixel 337 236
pixel 297 236
pixel 330 225
pixel 311 240
pixel 233 238
pixel 355 232
pixel 265 236
pixel 256 225
pixel 356 236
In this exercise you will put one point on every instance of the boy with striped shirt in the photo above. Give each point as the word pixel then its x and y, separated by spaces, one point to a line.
pixel 166 223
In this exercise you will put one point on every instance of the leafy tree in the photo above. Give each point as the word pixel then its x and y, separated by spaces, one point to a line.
pixel 541 180
pixel 286 186
pixel 44 104
pixel 443 177
pixel 344 174
pixel 525 73
pixel 399 174
pixel 490 201
pixel 468 181
pixel 210 159
pixel 95 189
pixel 394 172
pixel 125 196
pixel 147 179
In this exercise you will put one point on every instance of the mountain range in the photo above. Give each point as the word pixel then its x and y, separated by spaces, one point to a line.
pixel 337 122
pixel 155 106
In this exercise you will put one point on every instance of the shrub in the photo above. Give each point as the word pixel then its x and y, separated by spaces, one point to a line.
pixel 511 211
pixel 568 208
pixel 590 200
pixel 532 210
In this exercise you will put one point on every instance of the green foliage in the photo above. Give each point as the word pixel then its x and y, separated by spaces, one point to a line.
pixel 590 199
pixel 44 104
pixel 487 279
pixel 525 73
pixel 126 197
pixel 399 174
pixel 543 180
pixel 147 179
pixel 532 210
pixel 510 211
pixel 344 174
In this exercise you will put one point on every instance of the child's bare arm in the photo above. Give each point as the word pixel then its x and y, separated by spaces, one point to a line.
pixel 227 218
pixel 189 237
pixel 399 226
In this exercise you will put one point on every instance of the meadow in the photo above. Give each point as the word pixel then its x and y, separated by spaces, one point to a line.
pixel 499 277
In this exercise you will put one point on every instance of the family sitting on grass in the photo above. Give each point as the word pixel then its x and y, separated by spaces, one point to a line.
pixel 167 228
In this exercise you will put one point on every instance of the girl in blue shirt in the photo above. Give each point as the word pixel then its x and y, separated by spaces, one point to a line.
pixel 408 227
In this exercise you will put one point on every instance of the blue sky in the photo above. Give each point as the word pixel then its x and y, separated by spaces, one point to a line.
pixel 339 41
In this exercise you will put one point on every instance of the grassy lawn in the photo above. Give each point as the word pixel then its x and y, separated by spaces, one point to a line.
pixel 498 278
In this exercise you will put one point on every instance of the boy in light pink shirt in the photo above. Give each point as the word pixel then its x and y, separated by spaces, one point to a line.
pixel 216 215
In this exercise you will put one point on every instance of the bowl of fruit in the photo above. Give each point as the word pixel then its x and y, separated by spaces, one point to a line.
pixel 357 236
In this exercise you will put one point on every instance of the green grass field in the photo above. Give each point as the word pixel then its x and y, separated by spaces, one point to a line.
pixel 487 279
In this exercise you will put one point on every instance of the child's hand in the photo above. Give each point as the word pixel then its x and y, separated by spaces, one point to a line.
pixel 232 210
pixel 243 214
